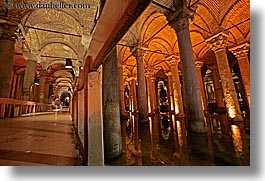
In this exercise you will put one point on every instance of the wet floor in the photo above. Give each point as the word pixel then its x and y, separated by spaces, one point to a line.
pixel 172 145
pixel 39 140
pixel 48 139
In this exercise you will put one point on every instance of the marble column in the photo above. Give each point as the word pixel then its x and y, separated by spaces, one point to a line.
pixel 170 92
pixel 152 104
pixel 43 73
pixel 241 53
pixel 29 76
pixel 218 45
pixel 220 101
pixel 7 50
pixel 133 95
pixel 199 65
pixel 195 115
pixel 139 53
pixel 95 118
pixel 111 107
pixel 123 112
pixel 177 94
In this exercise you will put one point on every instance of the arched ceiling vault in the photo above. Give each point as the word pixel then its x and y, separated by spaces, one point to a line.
pixel 211 17
pixel 55 34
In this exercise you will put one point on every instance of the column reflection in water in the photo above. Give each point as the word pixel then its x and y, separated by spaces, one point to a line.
pixel 210 139
pixel 240 144
pixel 182 141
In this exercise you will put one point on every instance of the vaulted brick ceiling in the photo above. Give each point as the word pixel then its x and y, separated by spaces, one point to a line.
pixel 211 17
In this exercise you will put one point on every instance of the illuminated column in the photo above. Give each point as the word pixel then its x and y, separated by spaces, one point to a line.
pixel 199 65
pixel 218 45
pixel 241 52
pixel 152 105
pixel 132 82
pixel 7 49
pixel 43 73
pixel 170 91
pixel 177 95
pixel 123 112
pixel 141 89
pixel 111 107
pixel 219 101
pixel 95 118
pixel 29 76
pixel 194 113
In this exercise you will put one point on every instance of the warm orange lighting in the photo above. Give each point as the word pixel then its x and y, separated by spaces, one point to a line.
pixel 232 112
pixel 237 140
pixel 180 133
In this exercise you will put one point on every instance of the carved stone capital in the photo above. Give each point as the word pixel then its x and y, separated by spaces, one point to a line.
pixel 199 64
pixel 173 60
pixel 180 24
pixel 240 50
pixel 129 79
pixel 139 51
pixel 217 41
pixel 169 74
pixel 8 32
pixel 32 57
pixel 149 72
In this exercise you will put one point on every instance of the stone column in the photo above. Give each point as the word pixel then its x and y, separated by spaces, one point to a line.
pixel 29 74
pixel 111 107
pixel 218 45
pixel 241 52
pixel 43 73
pixel 95 119
pixel 219 101
pixel 199 65
pixel 177 95
pixel 18 88
pixel 14 85
pixel 170 91
pixel 123 112
pixel 7 49
pixel 46 92
pixel 141 89
pixel 132 81
pixel 194 113
pixel 152 102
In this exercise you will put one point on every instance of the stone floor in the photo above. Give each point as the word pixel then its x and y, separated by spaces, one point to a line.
pixel 48 139
pixel 38 140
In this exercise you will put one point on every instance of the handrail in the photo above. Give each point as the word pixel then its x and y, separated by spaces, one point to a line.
pixel 14 107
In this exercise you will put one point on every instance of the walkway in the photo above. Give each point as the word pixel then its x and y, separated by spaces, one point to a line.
pixel 39 140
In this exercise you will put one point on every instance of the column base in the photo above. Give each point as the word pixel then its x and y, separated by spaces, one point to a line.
pixel 198 148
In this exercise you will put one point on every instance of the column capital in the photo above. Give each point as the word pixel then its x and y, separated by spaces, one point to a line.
pixel 169 73
pixel 240 50
pixel 32 56
pixel 199 64
pixel 129 79
pixel 173 59
pixel 179 24
pixel 181 20
pixel 217 41
pixel 139 51
pixel 8 31
pixel 149 72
